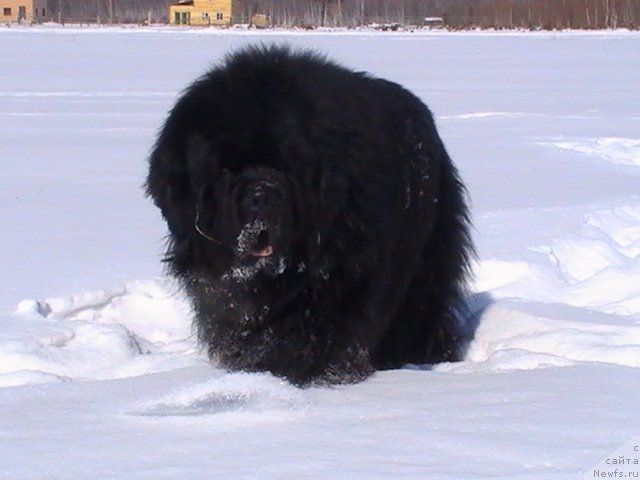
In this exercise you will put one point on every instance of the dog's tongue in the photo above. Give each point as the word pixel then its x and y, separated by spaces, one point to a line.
pixel 265 252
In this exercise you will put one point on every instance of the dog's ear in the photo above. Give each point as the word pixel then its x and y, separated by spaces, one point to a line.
pixel 202 164
pixel 169 186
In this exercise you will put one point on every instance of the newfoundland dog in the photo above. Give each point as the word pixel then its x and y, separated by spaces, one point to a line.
pixel 316 220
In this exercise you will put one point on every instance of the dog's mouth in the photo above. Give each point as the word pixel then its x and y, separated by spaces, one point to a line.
pixel 263 247
pixel 258 251
pixel 255 240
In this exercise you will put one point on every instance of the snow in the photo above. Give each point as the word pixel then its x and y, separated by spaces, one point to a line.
pixel 100 373
pixel 621 150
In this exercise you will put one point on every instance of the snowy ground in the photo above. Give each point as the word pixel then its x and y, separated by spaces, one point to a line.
pixel 100 374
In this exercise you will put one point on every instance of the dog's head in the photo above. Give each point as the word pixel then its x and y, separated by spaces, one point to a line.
pixel 249 213
pixel 248 175
pixel 235 211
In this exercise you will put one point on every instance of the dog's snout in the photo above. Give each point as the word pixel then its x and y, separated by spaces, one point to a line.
pixel 260 200
pixel 262 197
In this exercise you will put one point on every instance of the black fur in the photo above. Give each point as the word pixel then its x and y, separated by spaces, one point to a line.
pixel 315 218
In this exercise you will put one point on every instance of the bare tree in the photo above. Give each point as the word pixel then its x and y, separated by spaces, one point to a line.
pixel 531 14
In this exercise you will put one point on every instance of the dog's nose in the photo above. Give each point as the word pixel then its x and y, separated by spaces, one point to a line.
pixel 262 197
pixel 256 202
pixel 260 200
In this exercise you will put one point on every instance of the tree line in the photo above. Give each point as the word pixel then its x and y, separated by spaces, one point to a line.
pixel 454 14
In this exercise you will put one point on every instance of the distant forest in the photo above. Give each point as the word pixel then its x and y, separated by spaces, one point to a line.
pixel 455 14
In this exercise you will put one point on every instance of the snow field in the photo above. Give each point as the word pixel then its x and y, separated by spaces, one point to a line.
pixel 100 374
pixel 625 151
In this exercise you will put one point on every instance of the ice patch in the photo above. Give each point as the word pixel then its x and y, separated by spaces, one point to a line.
pixel 625 151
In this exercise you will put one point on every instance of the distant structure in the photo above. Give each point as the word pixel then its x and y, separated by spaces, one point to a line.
pixel 260 20
pixel 28 11
pixel 221 13
pixel 433 22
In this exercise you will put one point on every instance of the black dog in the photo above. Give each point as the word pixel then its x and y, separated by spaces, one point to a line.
pixel 315 218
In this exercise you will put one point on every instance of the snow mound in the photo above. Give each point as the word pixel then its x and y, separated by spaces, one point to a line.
pixel 145 327
pixel 139 328
pixel 582 306
pixel 602 265
pixel 517 335
pixel 597 266
pixel 493 274
pixel 625 151
pixel 28 377
pixel 227 393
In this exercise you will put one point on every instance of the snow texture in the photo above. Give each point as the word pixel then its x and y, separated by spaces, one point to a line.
pixel 100 374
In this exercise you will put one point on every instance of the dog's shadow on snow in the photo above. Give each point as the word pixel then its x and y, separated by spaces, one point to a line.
pixel 471 315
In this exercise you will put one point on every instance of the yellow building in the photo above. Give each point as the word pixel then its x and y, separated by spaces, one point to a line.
pixel 23 11
pixel 205 12
pixel 260 20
